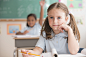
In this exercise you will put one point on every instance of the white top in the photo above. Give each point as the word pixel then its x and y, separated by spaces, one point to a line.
pixel 58 42
pixel 35 31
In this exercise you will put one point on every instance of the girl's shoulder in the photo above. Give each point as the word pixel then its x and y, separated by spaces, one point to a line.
pixel 37 25
pixel 43 34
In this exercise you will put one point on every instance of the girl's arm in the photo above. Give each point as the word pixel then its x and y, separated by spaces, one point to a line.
pixel 36 50
pixel 19 33
pixel 72 43
pixel 42 3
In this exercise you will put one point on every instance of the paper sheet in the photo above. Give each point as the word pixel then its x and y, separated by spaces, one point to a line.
pixel 25 36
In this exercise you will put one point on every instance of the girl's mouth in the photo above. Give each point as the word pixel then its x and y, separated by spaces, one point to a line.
pixel 55 25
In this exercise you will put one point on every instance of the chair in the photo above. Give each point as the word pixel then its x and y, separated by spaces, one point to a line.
pixel 80 49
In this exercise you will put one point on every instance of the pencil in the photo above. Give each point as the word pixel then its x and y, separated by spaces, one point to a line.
pixel 30 54
pixel 30 29
pixel 33 54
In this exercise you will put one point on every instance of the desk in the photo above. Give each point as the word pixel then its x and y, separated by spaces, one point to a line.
pixel 24 43
pixel 69 55
pixel 48 54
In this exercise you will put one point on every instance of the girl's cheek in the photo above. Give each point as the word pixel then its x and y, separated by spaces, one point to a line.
pixel 50 21
pixel 61 23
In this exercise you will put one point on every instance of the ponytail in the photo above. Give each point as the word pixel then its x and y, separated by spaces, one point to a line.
pixel 47 29
pixel 74 27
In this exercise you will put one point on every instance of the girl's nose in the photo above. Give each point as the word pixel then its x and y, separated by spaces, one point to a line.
pixel 55 20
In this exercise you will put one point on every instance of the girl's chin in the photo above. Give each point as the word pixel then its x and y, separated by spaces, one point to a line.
pixel 31 26
pixel 55 29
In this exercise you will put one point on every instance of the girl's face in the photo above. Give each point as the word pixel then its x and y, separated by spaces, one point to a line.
pixel 31 21
pixel 56 17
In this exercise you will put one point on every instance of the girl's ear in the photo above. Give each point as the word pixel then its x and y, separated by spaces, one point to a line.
pixel 66 19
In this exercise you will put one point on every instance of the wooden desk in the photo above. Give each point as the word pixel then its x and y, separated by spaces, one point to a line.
pixel 24 43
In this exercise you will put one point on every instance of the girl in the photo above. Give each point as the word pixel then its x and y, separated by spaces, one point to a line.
pixel 33 28
pixel 56 33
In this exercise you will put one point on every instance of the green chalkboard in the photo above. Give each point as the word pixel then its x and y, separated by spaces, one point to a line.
pixel 21 8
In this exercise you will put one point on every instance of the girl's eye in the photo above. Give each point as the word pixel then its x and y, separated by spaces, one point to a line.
pixel 28 20
pixel 51 17
pixel 59 18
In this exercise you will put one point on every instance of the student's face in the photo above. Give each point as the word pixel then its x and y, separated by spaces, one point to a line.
pixel 56 17
pixel 31 21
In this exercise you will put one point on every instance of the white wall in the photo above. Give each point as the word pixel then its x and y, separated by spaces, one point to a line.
pixel 82 30
pixel 7 43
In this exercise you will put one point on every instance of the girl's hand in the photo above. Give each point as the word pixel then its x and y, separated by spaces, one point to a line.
pixel 27 51
pixel 64 27
pixel 42 3
pixel 26 31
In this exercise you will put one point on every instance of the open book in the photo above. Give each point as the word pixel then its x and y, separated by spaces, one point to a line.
pixel 53 53
pixel 24 36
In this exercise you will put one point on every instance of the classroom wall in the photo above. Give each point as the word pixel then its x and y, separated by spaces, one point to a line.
pixel 7 43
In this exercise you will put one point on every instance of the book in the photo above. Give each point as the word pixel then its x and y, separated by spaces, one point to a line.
pixel 53 53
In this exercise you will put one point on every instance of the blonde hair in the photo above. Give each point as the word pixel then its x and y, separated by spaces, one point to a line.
pixel 72 22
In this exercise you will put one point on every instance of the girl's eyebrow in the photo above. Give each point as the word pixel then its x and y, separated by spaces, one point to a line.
pixel 56 16
pixel 59 15
pixel 49 15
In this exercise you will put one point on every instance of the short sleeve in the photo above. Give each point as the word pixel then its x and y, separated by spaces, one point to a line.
pixel 37 28
pixel 38 25
pixel 41 43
